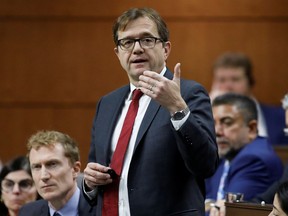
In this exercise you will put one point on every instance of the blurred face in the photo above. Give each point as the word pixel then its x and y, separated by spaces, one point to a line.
pixel 231 131
pixel 277 211
pixel 137 60
pixel 18 189
pixel 231 80
pixel 53 174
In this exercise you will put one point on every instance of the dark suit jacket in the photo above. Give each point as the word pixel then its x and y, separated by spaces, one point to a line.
pixel 275 122
pixel 40 208
pixel 268 195
pixel 251 172
pixel 168 167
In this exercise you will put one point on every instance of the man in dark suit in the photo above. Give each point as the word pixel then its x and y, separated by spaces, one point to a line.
pixel 249 164
pixel 172 148
pixel 233 72
pixel 55 164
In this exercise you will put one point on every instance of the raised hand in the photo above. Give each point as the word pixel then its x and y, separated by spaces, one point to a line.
pixel 166 92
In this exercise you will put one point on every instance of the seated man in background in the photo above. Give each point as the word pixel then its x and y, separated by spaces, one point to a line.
pixel 248 162
pixel 55 164
pixel 233 72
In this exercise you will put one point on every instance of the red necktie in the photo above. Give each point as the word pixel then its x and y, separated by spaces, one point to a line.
pixel 110 200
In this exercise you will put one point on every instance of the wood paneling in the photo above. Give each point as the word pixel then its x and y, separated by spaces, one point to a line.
pixel 57 57
pixel 20 122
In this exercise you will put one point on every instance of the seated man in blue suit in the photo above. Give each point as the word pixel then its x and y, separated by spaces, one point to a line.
pixel 232 72
pixel 248 162
pixel 55 165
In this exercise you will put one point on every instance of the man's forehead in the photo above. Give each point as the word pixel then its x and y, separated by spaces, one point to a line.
pixel 226 110
pixel 48 152
pixel 229 71
pixel 139 27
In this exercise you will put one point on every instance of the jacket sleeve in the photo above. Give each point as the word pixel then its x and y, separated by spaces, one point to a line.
pixel 196 138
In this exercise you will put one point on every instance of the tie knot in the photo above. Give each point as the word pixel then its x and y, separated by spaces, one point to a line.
pixel 136 94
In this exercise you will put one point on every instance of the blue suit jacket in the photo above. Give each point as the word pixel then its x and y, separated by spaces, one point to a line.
pixel 275 123
pixel 40 208
pixel 251 172
pixel 168 167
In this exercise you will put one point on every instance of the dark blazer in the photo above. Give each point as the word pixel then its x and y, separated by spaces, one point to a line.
pixel 275 122
pixel 168 167
pixel 251 172
pixel 40 208
pixel 268 195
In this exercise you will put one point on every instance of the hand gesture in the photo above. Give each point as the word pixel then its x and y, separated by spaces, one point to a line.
pixel 166 92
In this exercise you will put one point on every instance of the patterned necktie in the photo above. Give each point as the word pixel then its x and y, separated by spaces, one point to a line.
pixel 110 200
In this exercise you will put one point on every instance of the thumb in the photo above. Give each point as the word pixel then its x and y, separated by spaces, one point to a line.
pixel 177 73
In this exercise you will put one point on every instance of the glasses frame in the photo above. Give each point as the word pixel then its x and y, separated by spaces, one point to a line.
pixel 140 41
pixel 21 185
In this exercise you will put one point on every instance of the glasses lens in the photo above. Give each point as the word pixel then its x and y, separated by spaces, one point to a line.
pixel 148 42
pixel 126 43
pixel 25 184
pixel 7 185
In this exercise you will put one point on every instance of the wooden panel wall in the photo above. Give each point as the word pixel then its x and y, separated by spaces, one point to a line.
pixel 57 57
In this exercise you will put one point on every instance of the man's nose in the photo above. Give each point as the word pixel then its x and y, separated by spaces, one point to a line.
pixel 218 129
pixel 44 173
pixel 137 47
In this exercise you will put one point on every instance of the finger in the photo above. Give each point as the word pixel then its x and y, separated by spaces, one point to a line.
pixel 177 73
pixel 150 77
pixel 97 167
pixel 93 178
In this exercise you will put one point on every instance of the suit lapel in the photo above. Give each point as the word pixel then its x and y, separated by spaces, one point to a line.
pixel 118 103
pixel 147 121
pixel 44 209
pixel 150 114
pixel 84 208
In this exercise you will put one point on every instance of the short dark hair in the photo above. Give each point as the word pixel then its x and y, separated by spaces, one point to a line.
pixel 236 60
pixel 282 194
pixel 135 13
pixel 243 103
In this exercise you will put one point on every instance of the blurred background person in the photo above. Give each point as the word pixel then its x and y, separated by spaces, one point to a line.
pixel 248 162
pixel 17 186
pixel 280 203
pixel 233 72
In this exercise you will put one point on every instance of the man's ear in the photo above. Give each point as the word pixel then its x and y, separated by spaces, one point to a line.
pixel 116 50
pixel 76 169
pixel 253 131
pixel 167 49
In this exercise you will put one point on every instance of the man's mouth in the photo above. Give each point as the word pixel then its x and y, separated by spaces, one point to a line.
pixel 137 61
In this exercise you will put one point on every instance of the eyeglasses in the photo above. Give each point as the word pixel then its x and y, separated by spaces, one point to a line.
pixel 24 185
pixel 146 43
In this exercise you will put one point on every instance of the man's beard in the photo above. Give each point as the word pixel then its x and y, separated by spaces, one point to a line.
pixel 232 154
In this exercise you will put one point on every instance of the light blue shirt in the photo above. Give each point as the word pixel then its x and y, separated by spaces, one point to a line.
pixel 71 207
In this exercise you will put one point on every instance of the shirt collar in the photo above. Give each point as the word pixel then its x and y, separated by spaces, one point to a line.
pixel 71 207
